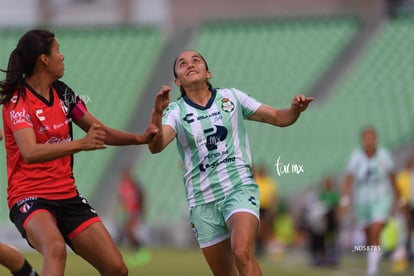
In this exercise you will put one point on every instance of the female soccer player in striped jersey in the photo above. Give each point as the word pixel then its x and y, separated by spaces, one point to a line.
pixel 45 205
pixel 222 196
pixel 371 171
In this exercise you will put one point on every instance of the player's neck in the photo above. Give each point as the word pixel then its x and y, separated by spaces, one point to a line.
pixel 40 84
pixel 370 152
pixel 200 97
pixel 198 93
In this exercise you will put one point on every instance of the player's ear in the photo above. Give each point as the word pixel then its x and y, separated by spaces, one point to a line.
pixel 44 59
pixel 177 82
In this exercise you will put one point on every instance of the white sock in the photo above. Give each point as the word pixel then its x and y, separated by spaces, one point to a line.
pixel 374 258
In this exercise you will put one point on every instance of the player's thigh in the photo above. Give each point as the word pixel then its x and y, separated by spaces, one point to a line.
pixel 243 228
pixel 363 214
pixel 208 224
pixel 42 232
pixel 381 210
pixel 96 246
pixel 242 216
pixel 220 259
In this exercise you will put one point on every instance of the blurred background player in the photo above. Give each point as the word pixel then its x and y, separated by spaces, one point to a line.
pixel 319 220
pixel 132 196
pixel 132 202
pixel 370 178
pixel 268 208
pixel 313 222
pixel 329 196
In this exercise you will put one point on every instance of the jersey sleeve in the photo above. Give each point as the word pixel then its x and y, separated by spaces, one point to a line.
pixel 78 110
pixel 17 116
pixel 170 117
pixel 77 107
pixel 249 104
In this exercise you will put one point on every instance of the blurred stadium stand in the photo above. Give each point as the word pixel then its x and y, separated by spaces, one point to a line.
pixel 351 55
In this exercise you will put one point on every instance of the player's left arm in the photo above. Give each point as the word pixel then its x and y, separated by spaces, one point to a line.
pixel 117 137
pixel 281 117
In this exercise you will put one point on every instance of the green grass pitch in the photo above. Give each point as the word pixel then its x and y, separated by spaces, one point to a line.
pixel 183 262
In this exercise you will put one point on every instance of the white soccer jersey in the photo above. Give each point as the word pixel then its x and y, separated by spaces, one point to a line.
pixel 371 175
pixel 212 143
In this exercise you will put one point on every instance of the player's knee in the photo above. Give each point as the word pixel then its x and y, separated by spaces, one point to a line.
pixel 242 254
pixel 56 249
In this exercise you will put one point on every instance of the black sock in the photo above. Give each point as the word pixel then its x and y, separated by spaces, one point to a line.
pixel 26 270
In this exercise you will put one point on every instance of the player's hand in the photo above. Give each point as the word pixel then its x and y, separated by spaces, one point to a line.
pixel 95 138
pixel 300 102
pixel 151 133
pixel 162 99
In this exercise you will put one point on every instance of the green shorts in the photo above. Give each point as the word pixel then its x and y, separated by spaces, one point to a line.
pixel 209 220
pixel 370 212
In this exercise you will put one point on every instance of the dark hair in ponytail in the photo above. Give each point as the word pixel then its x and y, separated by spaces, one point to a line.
pixel 23 60
pixel 182 90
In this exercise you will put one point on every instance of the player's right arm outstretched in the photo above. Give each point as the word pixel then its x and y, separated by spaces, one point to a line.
pixel 167 134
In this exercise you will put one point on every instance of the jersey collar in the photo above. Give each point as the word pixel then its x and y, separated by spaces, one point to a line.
pixel 40 97
pixel 209 103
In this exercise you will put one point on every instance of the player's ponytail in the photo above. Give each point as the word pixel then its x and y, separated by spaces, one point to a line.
pixel 22 62
pixel 14 77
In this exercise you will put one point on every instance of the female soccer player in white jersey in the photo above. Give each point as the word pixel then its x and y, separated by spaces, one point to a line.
pixel 222 196
pixel 371 169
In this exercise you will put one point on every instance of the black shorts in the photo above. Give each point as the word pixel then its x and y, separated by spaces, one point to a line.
pixel 72 215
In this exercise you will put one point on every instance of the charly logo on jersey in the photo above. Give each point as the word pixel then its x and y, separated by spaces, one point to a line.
pixel 252 200
pixel 189 117
pixel 39 116
pixel 227 105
